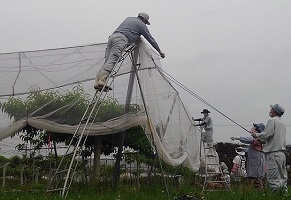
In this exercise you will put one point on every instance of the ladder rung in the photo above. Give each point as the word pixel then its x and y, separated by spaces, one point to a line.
pixel 218 190
pixel 213 173
pixel 61 171
pixel 92 103
pixel 212 164
pixel 85 119
pixel 69 154
pixel 215 181
pixel 55 190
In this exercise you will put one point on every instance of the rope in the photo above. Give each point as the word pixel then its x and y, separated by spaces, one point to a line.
pixel 199 98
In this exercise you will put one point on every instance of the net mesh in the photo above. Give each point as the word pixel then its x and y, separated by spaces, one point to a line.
pixel 72 70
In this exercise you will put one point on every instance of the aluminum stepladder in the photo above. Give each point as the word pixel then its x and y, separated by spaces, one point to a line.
pixel 213 177
pixel 64 174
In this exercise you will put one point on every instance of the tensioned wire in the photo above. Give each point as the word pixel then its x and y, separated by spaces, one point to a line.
pixel 198 97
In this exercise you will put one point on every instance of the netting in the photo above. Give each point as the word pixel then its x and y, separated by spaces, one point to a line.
pixel 57 72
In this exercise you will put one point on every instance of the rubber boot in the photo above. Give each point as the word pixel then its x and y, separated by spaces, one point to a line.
pixel 101 78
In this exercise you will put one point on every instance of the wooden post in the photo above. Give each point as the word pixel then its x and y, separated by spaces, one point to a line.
pixel 21 175
pixel 97 154
pixel 4 174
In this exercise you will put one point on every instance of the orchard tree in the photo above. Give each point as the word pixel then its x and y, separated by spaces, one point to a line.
pixel 69 108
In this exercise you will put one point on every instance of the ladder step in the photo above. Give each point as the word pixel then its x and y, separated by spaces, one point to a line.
pixel 214 173
pixel 92 103
pixel 211 155
pixel 56 190
pixel 65 170
pixel 86 119
pixel 62 171
pixel 215 181
pixel 69 154
pixel 218 190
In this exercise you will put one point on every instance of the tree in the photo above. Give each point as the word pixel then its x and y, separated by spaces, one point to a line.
pixel 70 108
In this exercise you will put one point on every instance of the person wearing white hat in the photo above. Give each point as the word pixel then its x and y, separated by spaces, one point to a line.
pixel 256 169
pixel 238 170
pixel 129 31
pixel 206 124
pixel 274 139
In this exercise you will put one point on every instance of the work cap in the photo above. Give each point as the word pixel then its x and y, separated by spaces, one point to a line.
pixel 240 151
pixel 279 109
pixel 145 16
pixel 259 127
pixel 205 111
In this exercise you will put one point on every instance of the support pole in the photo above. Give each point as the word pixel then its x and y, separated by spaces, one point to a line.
pixel 4 174
pixel 151 128
pixel 134 56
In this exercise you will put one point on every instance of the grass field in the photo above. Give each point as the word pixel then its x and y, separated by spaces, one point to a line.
pixel 145 192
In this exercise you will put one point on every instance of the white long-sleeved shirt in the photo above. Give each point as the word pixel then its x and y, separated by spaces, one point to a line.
pixel 274 135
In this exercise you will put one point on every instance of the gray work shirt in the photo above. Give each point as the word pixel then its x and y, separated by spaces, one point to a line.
pixel 274 135
pixel 208 123
pixel 133 28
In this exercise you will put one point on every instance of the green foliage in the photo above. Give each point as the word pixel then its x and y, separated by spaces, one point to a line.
pixel 69 108
pixel 3 160
pixel 137 140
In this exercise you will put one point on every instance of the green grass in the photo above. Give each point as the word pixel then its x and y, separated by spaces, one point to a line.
pixel 145 192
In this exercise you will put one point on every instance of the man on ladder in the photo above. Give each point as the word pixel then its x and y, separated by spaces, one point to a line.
pixel 214 177
pixel 206 124
pixel 129 31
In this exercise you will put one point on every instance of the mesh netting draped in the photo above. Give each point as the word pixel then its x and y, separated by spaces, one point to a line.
pixel 59 71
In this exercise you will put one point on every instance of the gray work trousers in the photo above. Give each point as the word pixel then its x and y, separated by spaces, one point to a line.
pixel 116 43
pixel 276 170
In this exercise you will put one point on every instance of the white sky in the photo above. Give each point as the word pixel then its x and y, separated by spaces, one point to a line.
pixel 235 54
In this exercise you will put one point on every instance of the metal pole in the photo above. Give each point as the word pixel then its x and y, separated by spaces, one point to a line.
pixel 150 128
pixel 126 110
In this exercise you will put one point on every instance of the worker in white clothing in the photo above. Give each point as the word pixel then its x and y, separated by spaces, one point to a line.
pixel 238 171
pixel 206 124
pixel 274 139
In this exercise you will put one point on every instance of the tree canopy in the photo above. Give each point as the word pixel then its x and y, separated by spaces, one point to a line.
pixel 70 108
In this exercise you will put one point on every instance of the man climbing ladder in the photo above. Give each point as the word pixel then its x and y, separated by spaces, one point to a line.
pixel 129 31
pixel 206 136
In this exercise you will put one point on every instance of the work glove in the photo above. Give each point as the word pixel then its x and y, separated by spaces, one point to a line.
pixel 162 54
pixel 199 119
pixel 234 138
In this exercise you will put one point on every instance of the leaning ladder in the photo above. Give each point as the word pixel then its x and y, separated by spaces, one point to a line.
pixel 66 170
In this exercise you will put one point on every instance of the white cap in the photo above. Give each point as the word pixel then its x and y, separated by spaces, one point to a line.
pixel 240 151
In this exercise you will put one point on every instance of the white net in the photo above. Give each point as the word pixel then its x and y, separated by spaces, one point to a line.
pixel 59 71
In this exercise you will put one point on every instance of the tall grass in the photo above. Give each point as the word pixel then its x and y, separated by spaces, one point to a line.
pixel 125 191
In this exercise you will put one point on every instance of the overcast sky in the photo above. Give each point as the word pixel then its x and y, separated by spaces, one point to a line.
pixel 235 54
